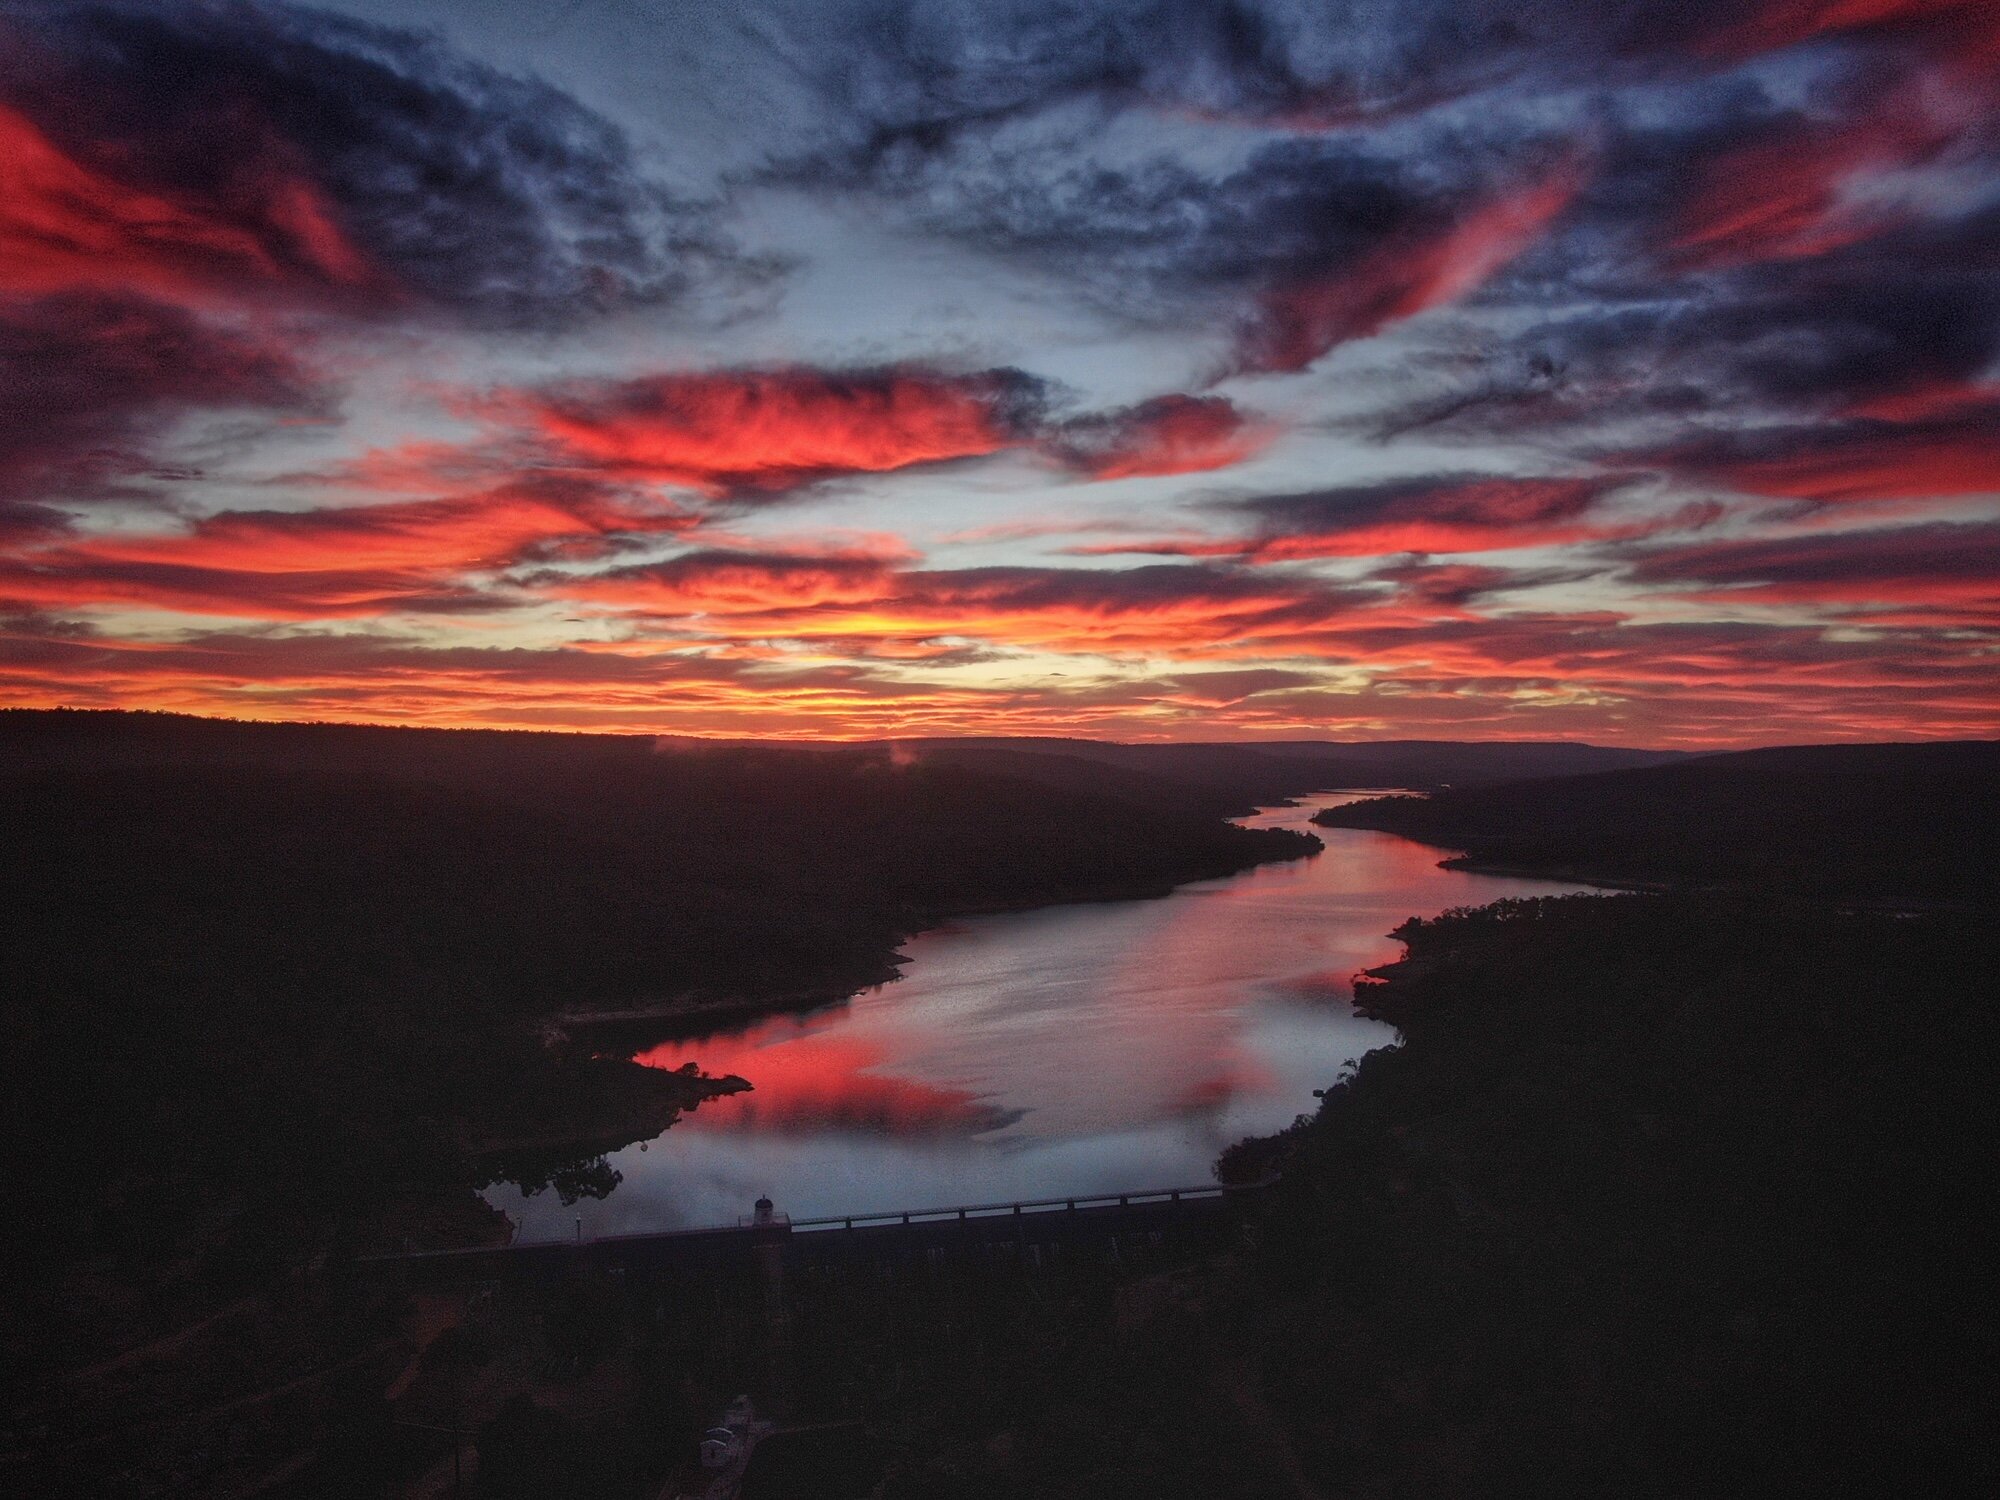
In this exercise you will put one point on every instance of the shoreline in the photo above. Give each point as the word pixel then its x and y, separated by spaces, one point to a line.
pixel 1472 864
pixel 695 1008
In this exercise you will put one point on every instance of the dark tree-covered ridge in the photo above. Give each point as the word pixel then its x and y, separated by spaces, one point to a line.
pixel 1659 1196
pixel 273 991
pixel 1905 822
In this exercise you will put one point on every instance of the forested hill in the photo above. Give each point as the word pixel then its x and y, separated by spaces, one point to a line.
pixel 310 967
pixel 1237 776
pixel 1886 822
pixel 550 866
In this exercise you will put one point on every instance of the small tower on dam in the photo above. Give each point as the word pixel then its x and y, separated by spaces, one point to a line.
pixel 770 1230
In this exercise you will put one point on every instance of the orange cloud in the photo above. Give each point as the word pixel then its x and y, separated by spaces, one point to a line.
pixel 750 431
pixel 769 429
pixel 1163 608
pixel 734 582
pixel 335 560
pixel 1516 676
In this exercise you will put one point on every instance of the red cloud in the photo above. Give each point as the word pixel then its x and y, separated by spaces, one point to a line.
pixel 489 530
pixel 1448 588
pixel 732 432
pixel 1298 322
pixel 333 561
pixel 858 600
pixel 1167 435
pixel 71 578
pixel 87 381
pixel 64 224
pixel 1865 460
pixel 731 582
pixel 767 430
pixel 1785 198
pixel 1693 684
pixel 1782 23
pixel 1940 573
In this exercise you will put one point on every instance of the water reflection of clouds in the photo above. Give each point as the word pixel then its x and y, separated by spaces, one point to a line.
pixel 1036 1054
pixel 818 1080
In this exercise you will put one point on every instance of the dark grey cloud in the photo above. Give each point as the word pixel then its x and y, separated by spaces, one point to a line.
pixel 1878 563
pixel 1693 270
pixel 1456 585
pixel 909 76
pixel 1149 237
pixel 1897 329
pixel 88 382
pixel 459 186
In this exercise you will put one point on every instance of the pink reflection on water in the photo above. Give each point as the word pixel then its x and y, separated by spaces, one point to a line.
pixel 1076 1049
pixel 1078 1019
pixel 809 1077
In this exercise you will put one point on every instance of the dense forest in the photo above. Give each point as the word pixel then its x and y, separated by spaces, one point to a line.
pixel 1854 822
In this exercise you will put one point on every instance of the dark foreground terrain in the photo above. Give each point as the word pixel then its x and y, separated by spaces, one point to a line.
pixel 1662 1195
pixel 277 993
pixel 1848 822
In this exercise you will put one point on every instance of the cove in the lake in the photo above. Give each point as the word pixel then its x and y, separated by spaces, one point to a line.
pixel 1066 1050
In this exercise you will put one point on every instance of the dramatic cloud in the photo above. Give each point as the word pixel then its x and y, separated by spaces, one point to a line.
pixel 64 225
pixel 745 433
pixel 1167 435
pixel 904 78
pixel 1787 197
pixel 1957 453
pixel 1620 370
pixel 731 582
pixel 1849 347
pixel 1433 513
pixel 185 147
pixel 1117 610
pixel 1298 320
pixel 335 561
pixel 1941 572
pixel 769 430
pixel 88 381
pixel 1451 587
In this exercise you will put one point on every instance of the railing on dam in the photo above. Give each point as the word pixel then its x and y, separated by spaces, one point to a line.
pixel 1148 1205
pixel 1206 1191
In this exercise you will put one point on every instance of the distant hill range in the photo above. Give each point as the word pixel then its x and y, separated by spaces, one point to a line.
pixel 1219 778
pixel 1234 777
pixel 1917 822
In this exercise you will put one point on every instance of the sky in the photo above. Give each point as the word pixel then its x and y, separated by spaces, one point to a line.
pixel 1139 369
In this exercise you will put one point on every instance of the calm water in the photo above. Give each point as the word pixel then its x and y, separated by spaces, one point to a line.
pixel 1069 1050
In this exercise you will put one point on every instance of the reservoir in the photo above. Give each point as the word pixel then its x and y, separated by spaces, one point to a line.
pixel 1068 1050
